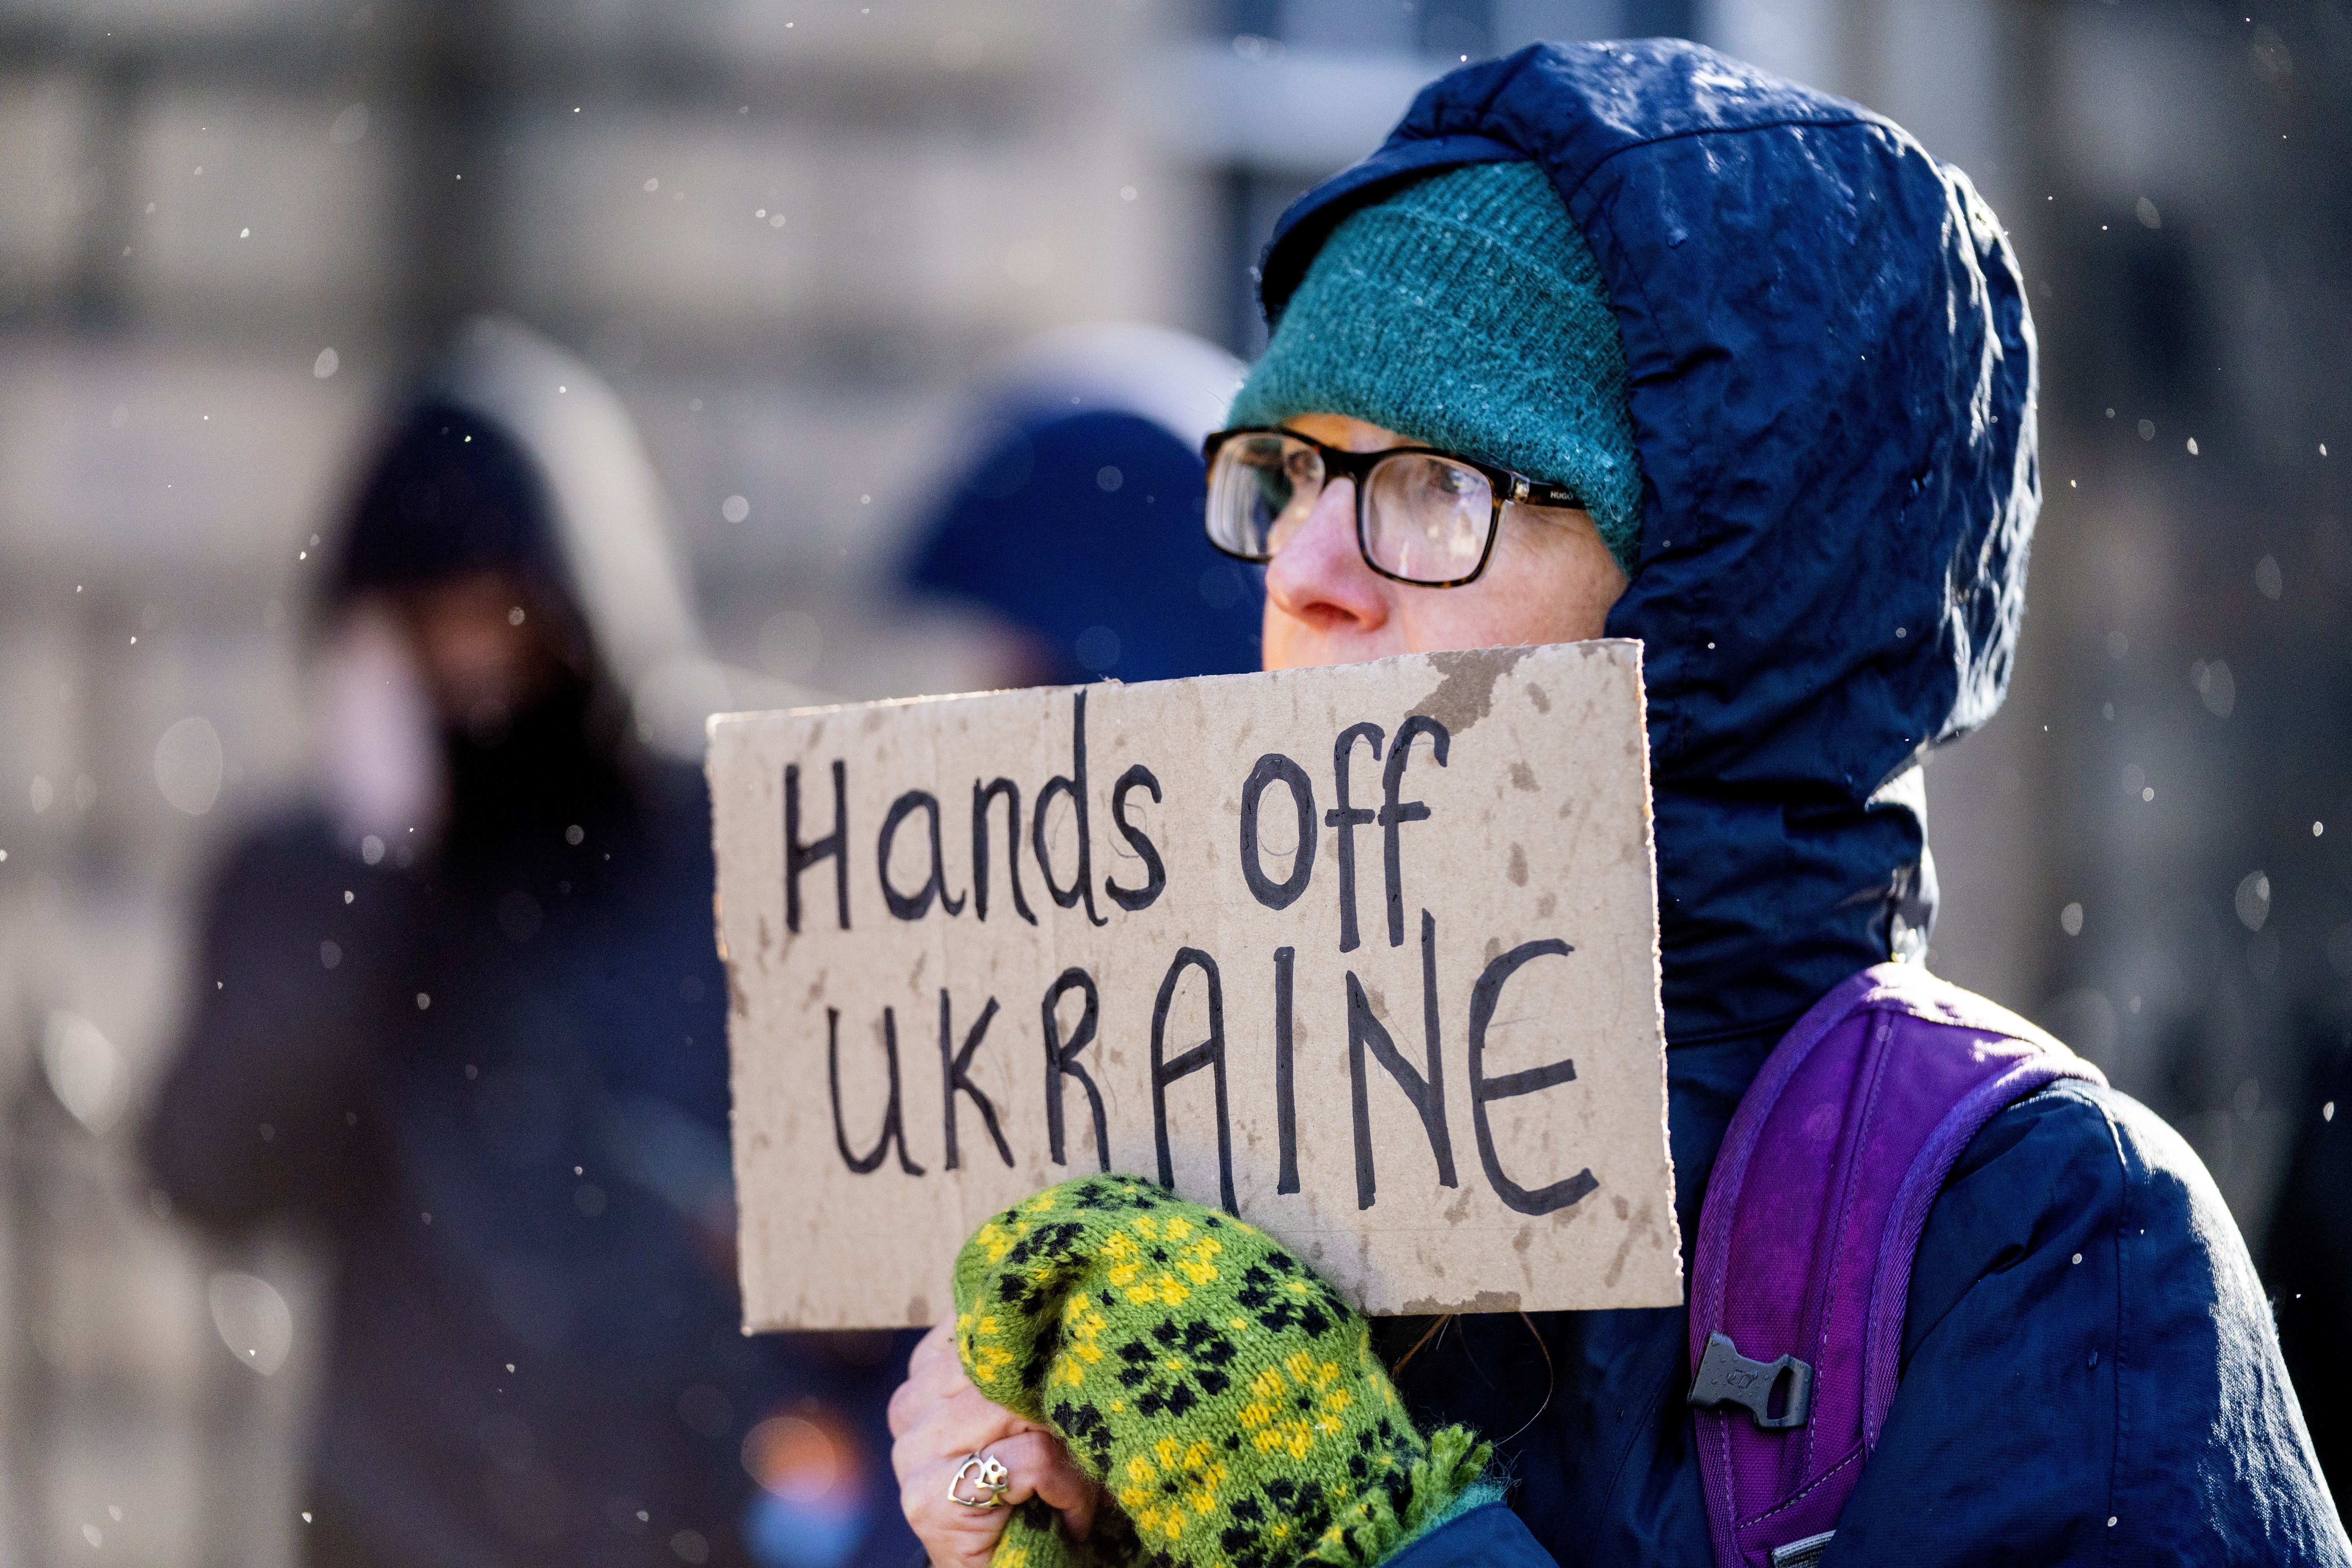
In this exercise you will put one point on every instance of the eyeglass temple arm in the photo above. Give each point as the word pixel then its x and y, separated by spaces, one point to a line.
pixel 1523 490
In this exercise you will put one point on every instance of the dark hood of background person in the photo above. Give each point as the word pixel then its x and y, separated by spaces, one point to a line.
pixel 1832 386
pixel 1079 520
pixel 452 492
pixel 455 496
pixel 492 1075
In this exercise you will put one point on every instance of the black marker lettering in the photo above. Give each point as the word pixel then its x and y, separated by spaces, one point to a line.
pixel 1483 1001
pixel 1062 1062
pixel 1279 894
pixel 981 797
pixel 1075 786
pixel 915 906
pixel 1285 1108
pixel 800 857
pixel 1347 818
pixel 1210 1053
pixel 955 1076
pixel 1426 1094
pixel 894 1129
pixel 1395 814
pixel 1155 872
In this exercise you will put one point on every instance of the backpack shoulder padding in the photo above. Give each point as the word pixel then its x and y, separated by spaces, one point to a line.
pixel 1807 1233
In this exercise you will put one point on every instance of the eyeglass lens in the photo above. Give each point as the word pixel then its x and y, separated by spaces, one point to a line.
pixel 1260 490
pixel 1425 517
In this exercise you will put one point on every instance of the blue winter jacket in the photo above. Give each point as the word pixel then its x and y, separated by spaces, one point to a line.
pixel 1832 393
pixel 532 1321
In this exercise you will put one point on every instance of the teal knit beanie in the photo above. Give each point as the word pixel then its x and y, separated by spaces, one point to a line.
pixel 1467 313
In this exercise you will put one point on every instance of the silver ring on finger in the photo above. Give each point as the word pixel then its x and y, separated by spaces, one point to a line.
pixel 986 1476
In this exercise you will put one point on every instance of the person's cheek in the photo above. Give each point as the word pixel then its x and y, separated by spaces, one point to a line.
pixel 1485 613
pixel 1556 573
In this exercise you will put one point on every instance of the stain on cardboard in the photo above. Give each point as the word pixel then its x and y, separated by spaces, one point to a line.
pixel 1465 694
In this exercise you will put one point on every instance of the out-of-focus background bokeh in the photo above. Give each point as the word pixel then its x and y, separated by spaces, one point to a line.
pixel 789 233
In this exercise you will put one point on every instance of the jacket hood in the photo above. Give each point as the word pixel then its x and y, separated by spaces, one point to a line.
pixel 1076 514
pixel 571 489
pixel 1832 378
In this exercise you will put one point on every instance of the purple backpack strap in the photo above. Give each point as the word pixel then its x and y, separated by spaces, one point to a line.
pixel 1807 1236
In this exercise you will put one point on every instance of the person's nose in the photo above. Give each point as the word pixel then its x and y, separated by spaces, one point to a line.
pixel 1319 576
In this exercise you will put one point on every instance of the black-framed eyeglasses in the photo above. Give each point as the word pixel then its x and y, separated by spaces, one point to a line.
pixel 1422 516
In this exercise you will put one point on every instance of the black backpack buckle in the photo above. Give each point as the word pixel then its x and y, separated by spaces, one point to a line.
pixel 1727 1377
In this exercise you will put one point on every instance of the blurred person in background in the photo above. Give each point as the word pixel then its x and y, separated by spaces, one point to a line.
pixel 466 1021
pixel 1079 506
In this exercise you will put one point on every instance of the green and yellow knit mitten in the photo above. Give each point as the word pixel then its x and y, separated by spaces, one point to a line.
pixel 1225 1396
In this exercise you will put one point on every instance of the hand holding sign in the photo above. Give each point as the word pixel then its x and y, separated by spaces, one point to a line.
pixel 1408 1027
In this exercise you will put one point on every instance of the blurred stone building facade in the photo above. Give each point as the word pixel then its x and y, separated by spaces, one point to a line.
pixel 788 233
pixel 229 231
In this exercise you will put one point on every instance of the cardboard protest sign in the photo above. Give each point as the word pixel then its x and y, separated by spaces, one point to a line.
pixel 1367 955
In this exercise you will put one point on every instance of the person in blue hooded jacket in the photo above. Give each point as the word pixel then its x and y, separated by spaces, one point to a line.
pixel 1782 358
